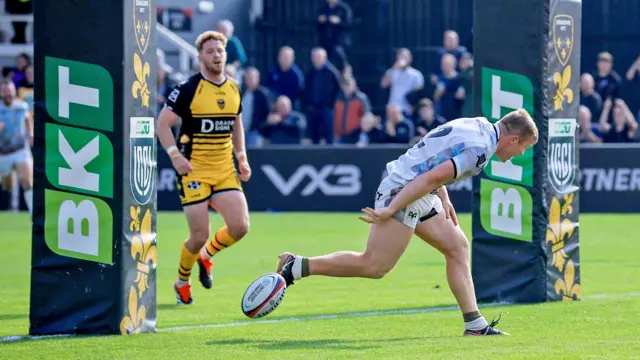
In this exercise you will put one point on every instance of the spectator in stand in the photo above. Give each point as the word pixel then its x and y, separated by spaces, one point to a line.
pixel 368 132
pixel 256 106
pixel 588 95
pixel 634 70
pixel 17 73
pixel 334 19
pixel 232 73
pixel 235 50
pixel 427 118
pixel 402 79
pixel 623 128
pixel 398 128
pixel 451 45
pixel 286 78
pixel 466 79
pixel 589 132
pixel 322 84
pixel 606 79
pixel 25 90
pixel 351 105
pixel 449 95
pixel 284 126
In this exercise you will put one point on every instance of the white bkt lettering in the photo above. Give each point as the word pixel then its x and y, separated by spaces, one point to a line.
pixel 74 239
pixel 347 183
pixel 504 203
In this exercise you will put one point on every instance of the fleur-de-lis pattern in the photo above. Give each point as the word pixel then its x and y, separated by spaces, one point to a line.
pixel 560 230
pixel 132 322
pixel 134 212
pixel 563 91
pixel 140 88
pixel 567 287
pixel 144 251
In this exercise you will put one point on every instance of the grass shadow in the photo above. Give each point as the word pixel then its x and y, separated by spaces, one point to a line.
pixel 13 316
pixel 366 344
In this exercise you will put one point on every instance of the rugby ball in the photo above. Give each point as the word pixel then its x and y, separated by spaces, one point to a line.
pixel 263 295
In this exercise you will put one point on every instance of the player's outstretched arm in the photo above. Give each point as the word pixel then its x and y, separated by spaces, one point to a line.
pixel 166 120
pixel 423 184
pixel 415 189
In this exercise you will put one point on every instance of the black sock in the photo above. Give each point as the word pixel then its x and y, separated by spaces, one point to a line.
pixel 470 316
pixel 305 267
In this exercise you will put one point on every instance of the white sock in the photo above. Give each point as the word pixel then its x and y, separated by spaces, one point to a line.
pixel 477 324
pixel 28 198
pixel 182 283
pixel 296 268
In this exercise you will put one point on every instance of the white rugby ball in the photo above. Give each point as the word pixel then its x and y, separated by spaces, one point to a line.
pixel 263 295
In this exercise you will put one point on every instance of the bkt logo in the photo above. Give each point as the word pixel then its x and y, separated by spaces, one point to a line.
pixel 347 182
pixel 562 154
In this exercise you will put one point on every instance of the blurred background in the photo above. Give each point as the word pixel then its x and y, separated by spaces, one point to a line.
pixel 368 75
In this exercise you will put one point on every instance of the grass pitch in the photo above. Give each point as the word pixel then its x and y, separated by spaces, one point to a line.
pixel 324 318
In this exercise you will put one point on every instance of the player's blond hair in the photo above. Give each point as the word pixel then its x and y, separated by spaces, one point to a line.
pixel 210 35
pixel 519 122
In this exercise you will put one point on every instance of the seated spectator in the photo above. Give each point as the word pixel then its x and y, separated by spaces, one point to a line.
pixel 624 126
pixel 256 106
pixel 286 78
pixel 369 132
pixel 351 105
pixel 588 95
pixel 450 45
pixel 235 50
pixel 399 130
pixel 588 132
pixel 427 119
pixel 284 126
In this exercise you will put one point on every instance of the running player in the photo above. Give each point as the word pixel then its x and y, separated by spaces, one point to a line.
pixel 16 136
pixel 412 199
pixel 209 104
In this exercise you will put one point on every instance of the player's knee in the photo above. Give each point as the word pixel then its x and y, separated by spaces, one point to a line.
pixel 200 235
pixel 375 269
pixel 458 251
pixel 239 230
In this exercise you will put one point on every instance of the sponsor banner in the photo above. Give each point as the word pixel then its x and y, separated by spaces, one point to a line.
pixel 563 196
pixel 93 242
pixel 139 252
pixel 77 219
pixel 308 179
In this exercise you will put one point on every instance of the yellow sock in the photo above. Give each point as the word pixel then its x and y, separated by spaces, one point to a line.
pixel 187 259
pixel 220 241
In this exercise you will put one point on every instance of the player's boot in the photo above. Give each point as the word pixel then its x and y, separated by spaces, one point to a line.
pixel 489 330
pixel 183 294
pixel 285 265
pixel 205 276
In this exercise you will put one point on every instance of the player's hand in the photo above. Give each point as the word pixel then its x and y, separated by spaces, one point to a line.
pixel 182 165
pixel 376 216
pixel 450 212
pixel 245 170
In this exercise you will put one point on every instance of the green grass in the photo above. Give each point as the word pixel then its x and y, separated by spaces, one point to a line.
pixel 591 328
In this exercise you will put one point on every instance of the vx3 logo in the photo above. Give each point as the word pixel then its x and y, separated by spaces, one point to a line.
pixel 347 182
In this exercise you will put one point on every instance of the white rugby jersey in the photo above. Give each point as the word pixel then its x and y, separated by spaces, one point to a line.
pixel 13 118
pixel 468 142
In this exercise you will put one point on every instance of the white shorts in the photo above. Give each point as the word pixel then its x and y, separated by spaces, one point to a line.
pixel 418 211
pixel 8 161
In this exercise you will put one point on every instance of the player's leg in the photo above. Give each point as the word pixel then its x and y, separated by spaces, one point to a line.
pixel 450 240
pixel 194 196
pixel 24 168
pixel 386 244
pixel 231 204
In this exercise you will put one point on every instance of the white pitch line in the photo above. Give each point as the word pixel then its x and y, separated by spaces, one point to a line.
pixel 16 338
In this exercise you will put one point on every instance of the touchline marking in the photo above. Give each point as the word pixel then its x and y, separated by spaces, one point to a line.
pixel 16 338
